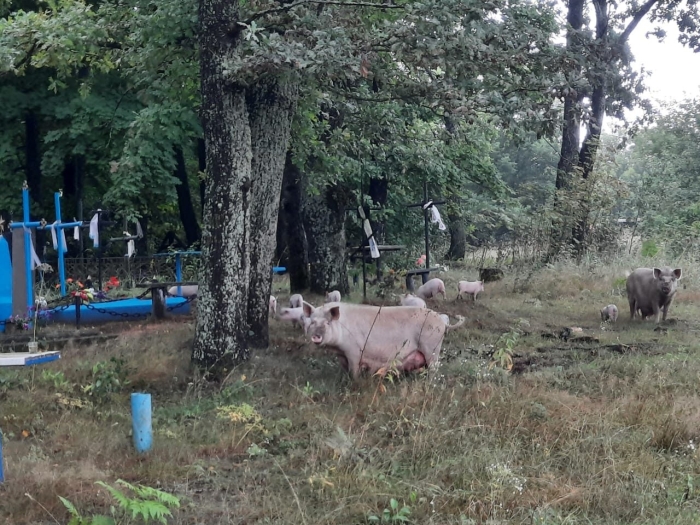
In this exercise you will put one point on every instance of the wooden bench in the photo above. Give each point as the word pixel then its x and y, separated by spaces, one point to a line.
pixel 423 272
pixel 158 299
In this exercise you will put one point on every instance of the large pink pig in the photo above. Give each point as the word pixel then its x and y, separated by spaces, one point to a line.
pixel 372 338
pixel 432 288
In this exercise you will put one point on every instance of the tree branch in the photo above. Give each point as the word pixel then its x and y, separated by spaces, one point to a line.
pixel 635 20
pixel 292 5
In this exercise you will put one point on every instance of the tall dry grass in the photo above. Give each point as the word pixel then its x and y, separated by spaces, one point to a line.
pixel 603 432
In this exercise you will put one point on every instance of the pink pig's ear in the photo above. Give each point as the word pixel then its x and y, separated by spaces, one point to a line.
pixel 308 309
pixel 657 273
pixel 678 272
pixel 334 313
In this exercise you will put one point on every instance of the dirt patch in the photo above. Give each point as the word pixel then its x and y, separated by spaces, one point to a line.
pixel 565 356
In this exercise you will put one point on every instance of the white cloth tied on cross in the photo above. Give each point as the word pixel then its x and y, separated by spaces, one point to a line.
pixel 54 237
pixel 94 231
pixel 35 262
pixel 130 246
pixel 76 231
pixel 435 215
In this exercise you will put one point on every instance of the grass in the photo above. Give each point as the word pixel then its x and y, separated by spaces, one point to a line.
pixel 598 432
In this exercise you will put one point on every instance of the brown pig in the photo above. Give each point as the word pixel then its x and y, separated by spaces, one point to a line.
pixel 650 290
pixel 432 288
pixel 333 297
pixel 609 313
pixel 296 301
pixel 470 287
pixel 367 337
pixel 412 300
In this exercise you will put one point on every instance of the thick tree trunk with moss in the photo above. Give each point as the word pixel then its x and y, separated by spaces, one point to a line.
pixel 271 106
pixel 221 338
pixel 237 128
pixel 324 223
pixel 292 248
pixel 458 237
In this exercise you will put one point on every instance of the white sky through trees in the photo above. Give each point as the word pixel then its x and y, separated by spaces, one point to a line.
pixel 675 69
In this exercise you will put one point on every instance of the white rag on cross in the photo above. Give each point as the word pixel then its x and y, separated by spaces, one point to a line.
pixel 36 262
pixel 94 231
pixel 435 215
pixel 54 238
pixel 130 246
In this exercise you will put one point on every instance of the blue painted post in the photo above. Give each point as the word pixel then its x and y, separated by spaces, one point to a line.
pixel 141 421
pixel 2 462
pixel 27 248
pixel 61 248
pixel 178 271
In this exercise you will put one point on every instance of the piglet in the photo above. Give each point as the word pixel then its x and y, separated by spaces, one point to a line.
pixel 609 313
pixel 432 288
pixel 333 297
pixel 470 287
pixel 412 300
pixel 296 301
pixel 183 291
pixel 295 316
pixel 273 306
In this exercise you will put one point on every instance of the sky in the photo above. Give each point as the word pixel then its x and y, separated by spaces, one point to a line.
pixel 675 69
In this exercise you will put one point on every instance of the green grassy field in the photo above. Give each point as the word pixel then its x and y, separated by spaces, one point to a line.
pixel 598 428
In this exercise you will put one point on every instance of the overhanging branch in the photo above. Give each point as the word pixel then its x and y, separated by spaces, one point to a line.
pixel 297 3
pixel 635 20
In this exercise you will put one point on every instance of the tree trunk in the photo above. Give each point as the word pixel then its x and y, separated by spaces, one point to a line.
pixel 458 233
pixel 271 108
pixel 221 335
pixel 246 130
pixel 607 49
pixel 291 238
pixel 324 221
pixel 458 237
pixel 202 158
pixel 589 150
pixel 184 199
pixel 568 159
pixel 32 152
pixel 588 154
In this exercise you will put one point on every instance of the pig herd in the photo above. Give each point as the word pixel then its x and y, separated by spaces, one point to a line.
pixel 409 336
pixel 370 338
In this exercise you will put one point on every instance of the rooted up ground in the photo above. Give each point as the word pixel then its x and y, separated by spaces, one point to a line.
pixel 601 430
